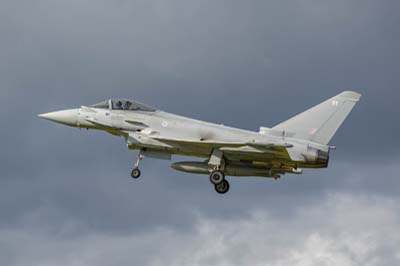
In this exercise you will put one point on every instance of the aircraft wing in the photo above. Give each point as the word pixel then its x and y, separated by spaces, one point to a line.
pixel 237 151
pixel 218 144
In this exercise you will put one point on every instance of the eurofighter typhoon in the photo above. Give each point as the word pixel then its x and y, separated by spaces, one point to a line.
pixel 300 142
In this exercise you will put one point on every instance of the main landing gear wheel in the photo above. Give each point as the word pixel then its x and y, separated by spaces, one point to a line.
pixel 217 177
pixel 135 173
pixel 222 187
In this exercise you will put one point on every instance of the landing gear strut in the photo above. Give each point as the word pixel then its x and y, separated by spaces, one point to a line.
pixel 135 171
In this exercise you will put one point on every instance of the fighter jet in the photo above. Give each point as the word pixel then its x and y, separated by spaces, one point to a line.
pixel 300 142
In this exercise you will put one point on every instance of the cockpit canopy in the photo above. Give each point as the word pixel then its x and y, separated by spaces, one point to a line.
pixel 123 104
pixel 102 105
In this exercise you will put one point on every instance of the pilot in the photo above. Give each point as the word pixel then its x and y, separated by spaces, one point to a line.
pixel 127 105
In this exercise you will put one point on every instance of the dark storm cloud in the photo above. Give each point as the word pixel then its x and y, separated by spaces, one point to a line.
pixel 246 61
pixel 246 64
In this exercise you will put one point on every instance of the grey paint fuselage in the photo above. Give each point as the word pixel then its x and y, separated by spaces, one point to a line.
pixel 269 152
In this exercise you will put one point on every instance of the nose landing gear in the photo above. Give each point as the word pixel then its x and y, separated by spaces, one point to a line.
pixel 135 173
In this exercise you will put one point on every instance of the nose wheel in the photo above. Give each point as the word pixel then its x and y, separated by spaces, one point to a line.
pixel 135 173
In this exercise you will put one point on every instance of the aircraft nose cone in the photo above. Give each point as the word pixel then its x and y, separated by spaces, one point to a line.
pixel 66 117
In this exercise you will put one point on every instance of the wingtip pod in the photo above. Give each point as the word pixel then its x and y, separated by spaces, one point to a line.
pixel 350 95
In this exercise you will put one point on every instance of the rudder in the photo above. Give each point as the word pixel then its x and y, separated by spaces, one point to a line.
pixel 320 123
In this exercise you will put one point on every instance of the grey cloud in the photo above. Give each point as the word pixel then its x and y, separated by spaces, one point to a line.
pixel 104 199
pixel 342 229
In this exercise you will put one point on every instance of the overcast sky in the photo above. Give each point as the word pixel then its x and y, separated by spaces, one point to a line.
pixel 66 197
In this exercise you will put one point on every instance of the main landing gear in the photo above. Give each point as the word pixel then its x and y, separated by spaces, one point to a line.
pixel 135 171
pixel 217 178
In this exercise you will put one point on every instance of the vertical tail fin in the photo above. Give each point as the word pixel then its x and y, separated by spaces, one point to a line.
pixel 321 122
